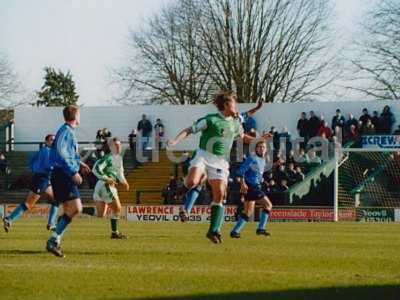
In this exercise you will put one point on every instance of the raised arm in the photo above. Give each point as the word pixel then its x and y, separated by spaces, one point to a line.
pixel 252 111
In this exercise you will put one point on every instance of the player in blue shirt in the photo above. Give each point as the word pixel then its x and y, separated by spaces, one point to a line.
pixel 65 178
pixel 39 164
pixel 250 175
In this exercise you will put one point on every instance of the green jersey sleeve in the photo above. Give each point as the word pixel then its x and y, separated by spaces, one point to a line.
pixel 101 167
pixel 199 125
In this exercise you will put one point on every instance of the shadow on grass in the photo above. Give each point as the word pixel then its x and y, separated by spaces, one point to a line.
pixel 384 292
pixel 20 252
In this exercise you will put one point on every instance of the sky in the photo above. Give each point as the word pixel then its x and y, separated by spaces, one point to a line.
pixel 90 37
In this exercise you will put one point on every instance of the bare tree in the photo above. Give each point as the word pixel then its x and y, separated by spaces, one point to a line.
pixel 165 64
pixel 378 63
pixel 10 86
pixel 274 49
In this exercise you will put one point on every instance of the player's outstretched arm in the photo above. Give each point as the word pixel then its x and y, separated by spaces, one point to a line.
pixel 180 137
pixel 252 111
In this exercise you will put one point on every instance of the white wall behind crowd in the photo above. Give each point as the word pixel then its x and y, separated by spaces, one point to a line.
pixel 32 123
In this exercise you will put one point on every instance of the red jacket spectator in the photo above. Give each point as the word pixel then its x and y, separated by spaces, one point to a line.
pixel 325 131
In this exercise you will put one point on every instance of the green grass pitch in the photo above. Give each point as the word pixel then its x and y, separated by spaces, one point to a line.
pixel 175 261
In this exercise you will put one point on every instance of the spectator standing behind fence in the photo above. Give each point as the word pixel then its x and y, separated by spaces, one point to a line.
pixel 369 128
pixel 145 128
pixel 352 121
pixel 314 124
pixel 365 117
pixel 338 120
pixel 387 120
pixel 325 131
pixel 285 139
pixel 159 133
pixel 132 139
pixel 376 121
pixel 3 164
pixel 302 129
pixel 101 142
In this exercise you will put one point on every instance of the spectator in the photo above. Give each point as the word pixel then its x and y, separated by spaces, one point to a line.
pixel 325 131
pixel 338 120
pixel 268 176
pixel 4 165
pixel 369 128
pixel 338 134
pixel 314 124
pixel 360 127
pixel 173 183
pixel 365 117
pixel 275 138
pixel 299 174
pixel 313 160
pixel 160 133
pixel 303 157
pixel 291 158
pixel 291 174
pixel 387 120
pixel 280 174
pixel 166 195
pixel 376 121
pixel 101 142
pixel 145 128
pixel 285 138
pixel 351 121
pixel 302 129
pixel 132 139
pixel 283 186
pixel 352 134
pixel 271 187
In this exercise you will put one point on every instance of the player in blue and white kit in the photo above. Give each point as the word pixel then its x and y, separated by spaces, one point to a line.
pixel 65 179
pixel 250 175
pixel 39 164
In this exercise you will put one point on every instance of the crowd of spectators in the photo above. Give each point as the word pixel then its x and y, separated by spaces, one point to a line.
pixel 350 129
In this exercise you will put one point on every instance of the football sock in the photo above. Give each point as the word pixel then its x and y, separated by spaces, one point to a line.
pixel 17 212
pixel 191 197
pixel 242 220
pixel 114 223
pixel 61 226
pixel 53 214
pixel 217 217
pixel 264 216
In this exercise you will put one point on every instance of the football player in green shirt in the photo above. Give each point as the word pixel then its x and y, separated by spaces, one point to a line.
pixel 110 172
pixel 218 131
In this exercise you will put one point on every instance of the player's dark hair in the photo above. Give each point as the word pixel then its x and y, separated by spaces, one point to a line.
pixel 222 97
pixel 70 112
pixel 47 138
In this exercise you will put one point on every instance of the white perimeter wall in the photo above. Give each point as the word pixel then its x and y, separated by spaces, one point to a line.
pixel 32 123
